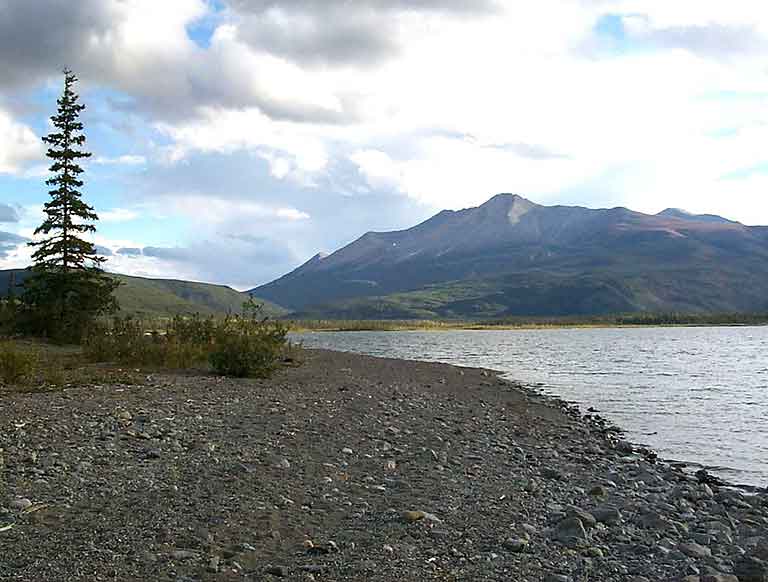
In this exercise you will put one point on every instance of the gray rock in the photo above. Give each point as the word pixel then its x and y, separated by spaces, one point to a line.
pixel 570 532
pixel 703 539
pixel 694 550
pixel 593 552
pixel 283 464
pixel 608 515
pixel 653 520
pixel 587 519
pixel 552 473
pixel 314 568
pixel 516 545
pixel 214 564
pixel 277 571
pixel 20 504
pixel 598 491
pixel 751 569
pixel 624 447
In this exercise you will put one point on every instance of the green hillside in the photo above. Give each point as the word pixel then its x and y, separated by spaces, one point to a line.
pixel 163 297
pixel 543 294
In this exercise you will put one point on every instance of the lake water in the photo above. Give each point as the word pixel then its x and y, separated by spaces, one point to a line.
pixel 693 394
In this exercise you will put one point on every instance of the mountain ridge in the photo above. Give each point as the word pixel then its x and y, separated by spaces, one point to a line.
pixel 625 260
pixel 144 297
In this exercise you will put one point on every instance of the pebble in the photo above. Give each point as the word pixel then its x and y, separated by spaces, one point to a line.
pixel 694 550
pixel 20 504
pixel 516 545
pixel 551 473
pixel 183 555
pixel 608 515
pixel 277 571
pixel 283 464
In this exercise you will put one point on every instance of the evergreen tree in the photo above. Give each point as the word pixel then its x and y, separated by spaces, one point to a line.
pixel 67 289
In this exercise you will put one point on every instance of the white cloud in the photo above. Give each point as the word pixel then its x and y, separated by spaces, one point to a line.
pixel 126 160
pixel 292 150
pixel 118 215
pixel 686 13
pixel 18 145
pixel 291 214
pixel 379 169
pixel 215 212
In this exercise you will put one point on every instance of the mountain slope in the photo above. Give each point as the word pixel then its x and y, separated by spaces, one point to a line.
pixel 513 257
pixel 163 297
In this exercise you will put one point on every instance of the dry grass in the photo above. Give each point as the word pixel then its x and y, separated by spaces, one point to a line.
pixel 32 367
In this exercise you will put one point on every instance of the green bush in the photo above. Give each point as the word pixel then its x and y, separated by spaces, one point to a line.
pixel 242 346
pixel 8 318
pixel 16 365
pixel 249 346
pixel 125 341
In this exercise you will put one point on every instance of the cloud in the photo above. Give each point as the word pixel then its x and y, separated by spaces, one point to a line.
pixel 712 40
pixel 378 168
pixel 240 261
pixel 125 160
pixel 532 151
pixel 10 244
pixel 142 49
pixel 215 211
pixel 31 49
pixel 118 215
pixel 9 213
pixel 338 32
pixel 18 145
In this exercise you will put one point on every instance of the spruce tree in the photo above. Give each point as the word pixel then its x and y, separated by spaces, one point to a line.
pixel 67 289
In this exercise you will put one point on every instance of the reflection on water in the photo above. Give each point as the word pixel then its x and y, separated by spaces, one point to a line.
pixel 697 394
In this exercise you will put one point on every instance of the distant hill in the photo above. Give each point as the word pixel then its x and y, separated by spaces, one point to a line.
pixel 162 297
pixel 511 257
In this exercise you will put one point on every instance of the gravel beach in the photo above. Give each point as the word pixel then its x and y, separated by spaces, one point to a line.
pixel 352 468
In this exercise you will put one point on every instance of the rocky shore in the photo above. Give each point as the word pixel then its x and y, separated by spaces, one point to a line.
pixel 352 468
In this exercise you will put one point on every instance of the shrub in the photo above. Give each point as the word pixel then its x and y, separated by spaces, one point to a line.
pixel 248 346
pixel 240 346
pixel 16 365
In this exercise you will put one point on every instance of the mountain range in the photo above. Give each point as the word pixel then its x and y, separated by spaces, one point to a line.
pixel 512 257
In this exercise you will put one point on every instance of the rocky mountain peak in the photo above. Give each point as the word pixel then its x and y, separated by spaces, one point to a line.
pixel 511 205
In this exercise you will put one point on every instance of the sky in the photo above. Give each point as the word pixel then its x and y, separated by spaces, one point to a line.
pixel 232 140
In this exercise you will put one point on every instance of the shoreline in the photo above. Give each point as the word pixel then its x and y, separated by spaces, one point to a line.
pixel 348 468
pixel 446 326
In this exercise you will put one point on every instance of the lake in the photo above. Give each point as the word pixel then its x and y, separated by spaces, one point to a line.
pixel 697 394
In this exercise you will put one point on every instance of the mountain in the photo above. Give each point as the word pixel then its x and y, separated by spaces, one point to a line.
pixel 683 215
pixel 163 297
pixel 511 257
